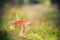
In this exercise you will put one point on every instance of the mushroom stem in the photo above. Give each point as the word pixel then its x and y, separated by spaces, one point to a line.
pixel 25 28
pixel 21 31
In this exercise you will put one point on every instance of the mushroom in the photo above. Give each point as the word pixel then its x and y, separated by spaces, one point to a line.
pixel 20 22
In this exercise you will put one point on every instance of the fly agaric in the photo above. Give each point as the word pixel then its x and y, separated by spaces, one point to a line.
pixel 20 22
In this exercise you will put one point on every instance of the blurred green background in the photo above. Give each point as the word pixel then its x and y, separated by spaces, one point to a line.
pixel 41 15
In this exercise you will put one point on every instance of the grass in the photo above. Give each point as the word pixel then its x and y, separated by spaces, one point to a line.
pixel 37 32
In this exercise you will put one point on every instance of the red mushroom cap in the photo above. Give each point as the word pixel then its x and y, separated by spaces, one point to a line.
pixel 21 22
